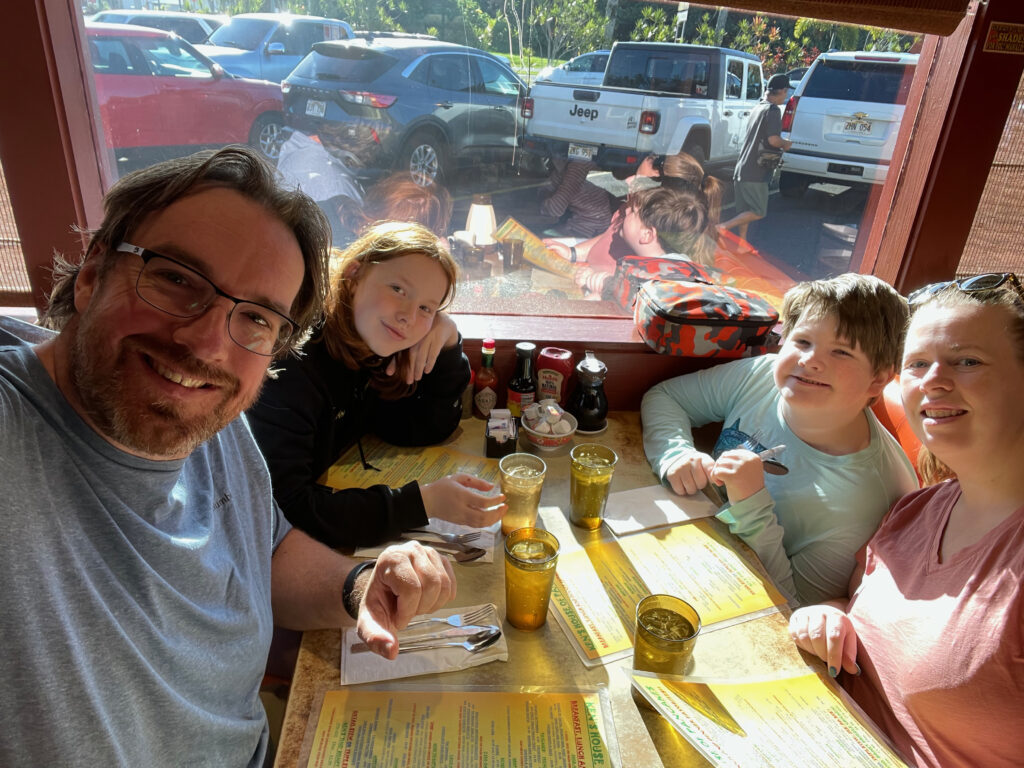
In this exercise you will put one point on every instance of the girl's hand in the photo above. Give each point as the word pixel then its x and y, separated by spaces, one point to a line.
pixel 827 632
pixel 740 471
pixel 690 473
pixel 456 498
pixel 423 354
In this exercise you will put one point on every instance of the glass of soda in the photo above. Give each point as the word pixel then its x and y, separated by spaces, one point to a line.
pixel 590 476
pixel 530 558
pixel 522 477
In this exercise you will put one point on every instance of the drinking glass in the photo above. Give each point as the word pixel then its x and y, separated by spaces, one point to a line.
pixel 522 477
pixel 530 558
pixel 590 476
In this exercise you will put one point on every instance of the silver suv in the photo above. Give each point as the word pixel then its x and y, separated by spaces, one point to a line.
pixel 843 119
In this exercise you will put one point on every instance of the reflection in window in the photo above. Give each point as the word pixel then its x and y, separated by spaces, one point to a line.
pixel 397 103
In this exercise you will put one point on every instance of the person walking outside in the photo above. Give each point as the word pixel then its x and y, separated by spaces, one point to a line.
pixel 755 165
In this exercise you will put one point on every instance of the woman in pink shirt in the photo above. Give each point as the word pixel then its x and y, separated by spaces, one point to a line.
pixel 931 640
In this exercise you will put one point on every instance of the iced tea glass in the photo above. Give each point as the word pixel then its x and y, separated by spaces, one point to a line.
pixel 522 477
pixel 590 476
pixel 666 631
pixel 530 558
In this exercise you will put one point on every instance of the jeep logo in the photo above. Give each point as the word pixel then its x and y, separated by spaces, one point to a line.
pixel 578 111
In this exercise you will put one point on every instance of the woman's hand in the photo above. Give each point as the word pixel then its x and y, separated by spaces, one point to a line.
pixel 690 473
pixel 827 632
pixel 423 354
pixel 559 249
pixel 457 499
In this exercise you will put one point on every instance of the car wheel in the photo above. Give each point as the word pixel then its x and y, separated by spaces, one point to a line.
pixel 696 151
pixel 265 135
pixel 424 157
pixel 793 184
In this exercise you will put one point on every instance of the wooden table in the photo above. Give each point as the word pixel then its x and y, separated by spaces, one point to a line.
pixel 546 657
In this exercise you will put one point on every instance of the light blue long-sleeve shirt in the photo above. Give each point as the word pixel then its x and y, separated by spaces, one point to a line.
pixel 807 525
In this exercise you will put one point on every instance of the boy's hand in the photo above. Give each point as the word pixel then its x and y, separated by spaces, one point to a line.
pixel 690 473
pixel 740 471
pixel 827 632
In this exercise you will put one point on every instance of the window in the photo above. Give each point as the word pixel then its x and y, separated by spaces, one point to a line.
pixel 815 250
pixel 754 85
pixel 450 73
pixel 734 79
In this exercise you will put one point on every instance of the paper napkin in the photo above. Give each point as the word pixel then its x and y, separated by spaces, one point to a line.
pixel 368 667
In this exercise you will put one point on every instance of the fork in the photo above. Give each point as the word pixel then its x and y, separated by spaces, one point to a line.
pixel 473 643
pixel 451 538
pixel 456 620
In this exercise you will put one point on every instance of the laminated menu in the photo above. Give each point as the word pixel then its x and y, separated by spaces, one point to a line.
pixel 788 722
pixel 415 727
pixel 597 587
pixel 397 465
pixel 534 250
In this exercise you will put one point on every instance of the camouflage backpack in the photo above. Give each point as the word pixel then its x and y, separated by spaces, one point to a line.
pixel 690 318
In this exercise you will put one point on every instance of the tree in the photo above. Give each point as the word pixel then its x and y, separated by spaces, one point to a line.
pixel 654 26
pixel 566 28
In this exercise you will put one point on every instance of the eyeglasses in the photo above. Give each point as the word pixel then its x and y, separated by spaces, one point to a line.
pixel 181 291
pixel 975 284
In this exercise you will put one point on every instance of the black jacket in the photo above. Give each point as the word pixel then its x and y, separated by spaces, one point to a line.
pixel 317 408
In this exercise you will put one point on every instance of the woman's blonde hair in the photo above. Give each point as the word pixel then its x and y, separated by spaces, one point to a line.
pixel 380 242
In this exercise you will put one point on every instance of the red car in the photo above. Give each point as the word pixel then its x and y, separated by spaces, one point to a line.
pixel 159 97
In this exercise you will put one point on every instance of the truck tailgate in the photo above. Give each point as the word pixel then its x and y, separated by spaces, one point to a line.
pixel 586 116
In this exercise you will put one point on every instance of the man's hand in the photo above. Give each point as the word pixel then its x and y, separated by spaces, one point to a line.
pixel 408 580
pixel 423 354
pixel 740 471
pixel 455 498
pixel 827 632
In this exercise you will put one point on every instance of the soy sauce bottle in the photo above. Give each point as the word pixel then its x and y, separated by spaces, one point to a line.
pixel 588 403
pixel 522 389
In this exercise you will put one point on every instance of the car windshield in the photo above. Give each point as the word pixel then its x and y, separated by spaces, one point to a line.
pixel 873 81
pixel 242 33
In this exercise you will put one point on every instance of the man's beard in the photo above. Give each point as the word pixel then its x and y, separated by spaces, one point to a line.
pixel 156 429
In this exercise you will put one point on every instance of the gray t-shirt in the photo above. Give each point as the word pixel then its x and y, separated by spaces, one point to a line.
pixel 765 121
pixel 135 603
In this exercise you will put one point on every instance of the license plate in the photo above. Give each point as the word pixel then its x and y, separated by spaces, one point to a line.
pixel 582 152
pixel 857 127
pixel 846 170
pixel 315 107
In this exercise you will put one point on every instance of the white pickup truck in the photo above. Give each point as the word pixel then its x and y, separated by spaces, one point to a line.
pixel 656 98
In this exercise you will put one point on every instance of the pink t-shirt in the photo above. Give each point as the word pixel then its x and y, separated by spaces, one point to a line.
pixel 941 645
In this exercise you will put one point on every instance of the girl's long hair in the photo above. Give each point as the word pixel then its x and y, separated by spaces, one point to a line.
pixel 380 242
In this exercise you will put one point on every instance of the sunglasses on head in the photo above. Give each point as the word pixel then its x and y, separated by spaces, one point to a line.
pixel 975 284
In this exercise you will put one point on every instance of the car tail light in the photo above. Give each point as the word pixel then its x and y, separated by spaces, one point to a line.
pixel 367 99
pixel 790 113
pixel 649 121
pixel 526 110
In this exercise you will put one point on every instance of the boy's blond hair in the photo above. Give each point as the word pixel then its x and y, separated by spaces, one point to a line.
pixel 869 314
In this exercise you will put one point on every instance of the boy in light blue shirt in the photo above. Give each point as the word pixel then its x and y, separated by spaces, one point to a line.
pixel 841 343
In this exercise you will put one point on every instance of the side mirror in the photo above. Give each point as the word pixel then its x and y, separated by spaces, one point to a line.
pixel 275 48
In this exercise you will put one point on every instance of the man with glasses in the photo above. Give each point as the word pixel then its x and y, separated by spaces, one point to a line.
pixel 145 561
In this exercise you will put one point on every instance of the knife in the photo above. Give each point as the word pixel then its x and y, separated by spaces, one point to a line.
pixel 453 633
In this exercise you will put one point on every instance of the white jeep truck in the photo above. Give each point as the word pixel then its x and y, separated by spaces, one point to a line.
pixel 656 98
